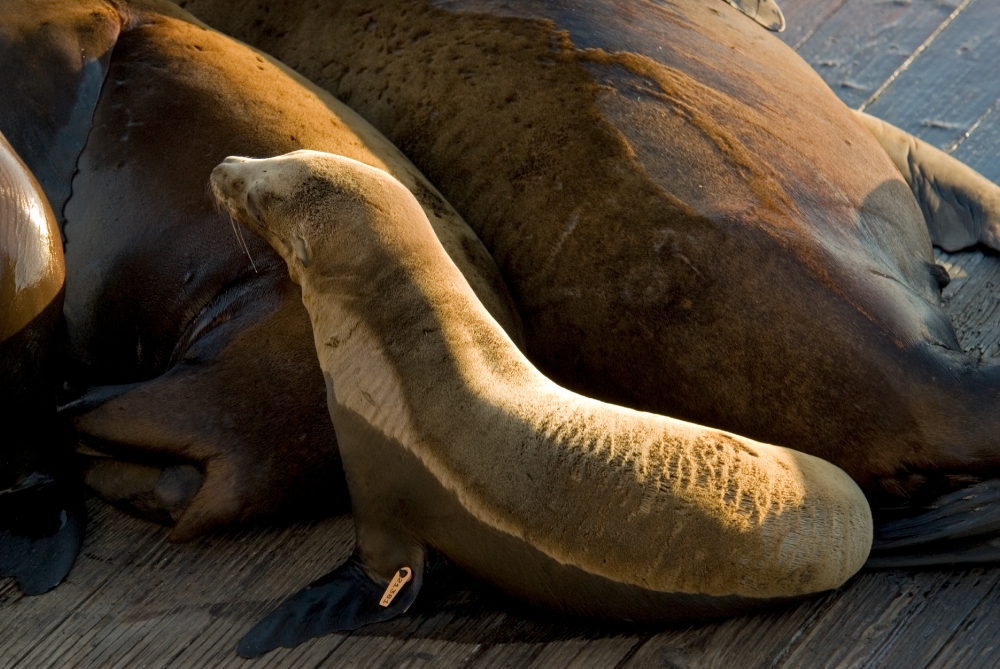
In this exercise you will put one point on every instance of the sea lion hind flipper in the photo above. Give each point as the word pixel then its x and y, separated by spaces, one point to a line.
pixel 962 527
pixel 157 494
pixel 345 599
pixel 40 535
pixel 961 207
pixel 175 420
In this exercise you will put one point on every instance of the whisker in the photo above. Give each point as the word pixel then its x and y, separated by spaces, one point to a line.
pixel 239 236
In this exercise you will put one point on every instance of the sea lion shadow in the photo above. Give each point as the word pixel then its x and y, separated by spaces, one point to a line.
pixel 456 607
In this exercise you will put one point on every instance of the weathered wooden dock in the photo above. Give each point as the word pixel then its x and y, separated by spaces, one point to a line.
pixel 134 600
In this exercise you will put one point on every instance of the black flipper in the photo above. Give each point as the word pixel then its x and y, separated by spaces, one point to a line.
pixel 41 530
pixel 345 599
pixel 962 527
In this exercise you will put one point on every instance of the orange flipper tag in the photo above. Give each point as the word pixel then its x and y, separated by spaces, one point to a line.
pixel 401 578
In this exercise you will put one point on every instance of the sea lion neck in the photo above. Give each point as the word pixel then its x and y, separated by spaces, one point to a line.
pixel 399 309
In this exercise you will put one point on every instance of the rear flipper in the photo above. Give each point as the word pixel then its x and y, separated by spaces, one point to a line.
pixel 152 493
pixel 41 530
pixel 345 599
pixel 209 443
pixel 961 207
pixel 962 527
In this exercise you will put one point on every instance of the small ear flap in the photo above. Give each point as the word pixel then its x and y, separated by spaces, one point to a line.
pixel 301 250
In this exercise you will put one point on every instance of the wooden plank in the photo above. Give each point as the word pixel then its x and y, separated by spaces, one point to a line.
pixel 748 642
pixel 584 654
pixel 972 300
pixel 862 45
pixel 911 616
pixel 804 17
pixel 979 149
pixel 952 86
pixel 134 599
pixel 397 652
pixel 977 642
pixel 506 656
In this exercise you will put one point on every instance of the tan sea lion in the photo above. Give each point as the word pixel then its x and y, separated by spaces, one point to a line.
pixel 453 441
pixel 196 360
pixel 690 221
pixel 41 511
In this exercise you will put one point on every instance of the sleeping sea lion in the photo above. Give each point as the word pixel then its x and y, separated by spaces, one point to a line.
pixel 41 512
pixel 452 440
pixel 690 221
pixel 196 360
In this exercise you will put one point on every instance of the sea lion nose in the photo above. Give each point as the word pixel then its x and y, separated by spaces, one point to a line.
pixel 224 178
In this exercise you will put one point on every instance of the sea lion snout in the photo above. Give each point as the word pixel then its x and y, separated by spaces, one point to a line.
pixel 305 199
pixel 229 185
pixel 246 186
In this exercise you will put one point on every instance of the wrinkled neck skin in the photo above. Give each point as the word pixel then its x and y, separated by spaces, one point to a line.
pixel 387 317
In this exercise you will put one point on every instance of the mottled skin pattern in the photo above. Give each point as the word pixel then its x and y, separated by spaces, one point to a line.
pixel 452 440
pixel 690 221
pixel 190 352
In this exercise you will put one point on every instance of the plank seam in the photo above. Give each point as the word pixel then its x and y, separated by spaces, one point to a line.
pixel 965 135
pixel 806 628
pixel 913 56
pixel 960 626
pixel 636 647
pixel 818 26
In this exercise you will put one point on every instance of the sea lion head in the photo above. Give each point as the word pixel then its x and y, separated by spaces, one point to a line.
pixel 318 210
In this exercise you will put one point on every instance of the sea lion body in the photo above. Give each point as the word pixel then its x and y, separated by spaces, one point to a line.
pixel 40 510
pixel 175 333
pixel 453 441
pixel 690 221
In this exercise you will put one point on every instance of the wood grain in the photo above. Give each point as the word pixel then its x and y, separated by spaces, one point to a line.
pixel 865 42
pixel 951 87
pixel 804 17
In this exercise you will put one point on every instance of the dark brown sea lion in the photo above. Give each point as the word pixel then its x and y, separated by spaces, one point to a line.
pixel 41 514
pixel 197 360
pixel 690 221
pixel 453 441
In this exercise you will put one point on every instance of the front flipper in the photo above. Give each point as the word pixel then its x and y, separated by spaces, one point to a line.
pixel 962 527
pixel 765 12
pixel 243 436
pixel 961 207
pixel 345 599
pixel 41 530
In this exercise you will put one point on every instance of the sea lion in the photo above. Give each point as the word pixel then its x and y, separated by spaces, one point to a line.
pixel 452 440
pixel 41 512
pixel 690 221
pixel 195 359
